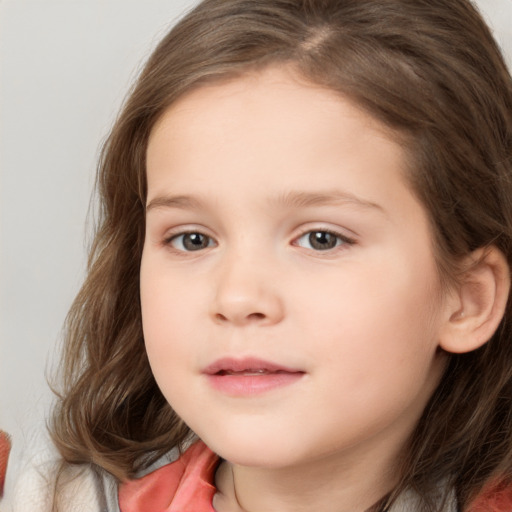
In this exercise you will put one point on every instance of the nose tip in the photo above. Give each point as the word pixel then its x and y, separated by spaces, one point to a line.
pixel 245 301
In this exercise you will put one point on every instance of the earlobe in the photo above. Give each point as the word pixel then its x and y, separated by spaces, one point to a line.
pixel 479 302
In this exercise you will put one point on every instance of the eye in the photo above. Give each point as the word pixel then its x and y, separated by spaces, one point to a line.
pixel 192 241
pixel 322 240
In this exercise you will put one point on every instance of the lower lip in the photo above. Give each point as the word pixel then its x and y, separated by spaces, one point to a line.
pixel 246 385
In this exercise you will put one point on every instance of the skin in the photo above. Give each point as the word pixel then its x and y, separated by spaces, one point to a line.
pixel 255 165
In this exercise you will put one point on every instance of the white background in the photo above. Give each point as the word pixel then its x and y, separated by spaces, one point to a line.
pixel 65 67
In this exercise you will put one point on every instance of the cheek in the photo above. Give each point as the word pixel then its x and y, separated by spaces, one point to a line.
pixel 375 353
pixel 167 317
pixel 374 325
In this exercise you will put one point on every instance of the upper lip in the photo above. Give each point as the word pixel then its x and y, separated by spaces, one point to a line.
pixel 230 364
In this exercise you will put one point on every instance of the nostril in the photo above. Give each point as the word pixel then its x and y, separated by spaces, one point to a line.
pixel 252 316
pixel 257 316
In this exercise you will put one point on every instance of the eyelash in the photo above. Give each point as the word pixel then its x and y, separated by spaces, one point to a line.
pixel 340 240
pixel 170 239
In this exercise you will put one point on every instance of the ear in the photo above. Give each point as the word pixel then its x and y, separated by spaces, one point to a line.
pixel 475 308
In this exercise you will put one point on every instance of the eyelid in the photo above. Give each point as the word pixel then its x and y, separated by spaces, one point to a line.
pixel 339 233
pixel 345 239
pixel 175 233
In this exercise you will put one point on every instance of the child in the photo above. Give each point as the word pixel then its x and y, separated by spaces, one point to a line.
pixel 297 297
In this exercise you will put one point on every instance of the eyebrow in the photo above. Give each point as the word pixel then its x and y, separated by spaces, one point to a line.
pixel 293 199
pixel 181 202
pixel 328 198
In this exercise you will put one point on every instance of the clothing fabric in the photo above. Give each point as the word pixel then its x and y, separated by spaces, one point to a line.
pixel 182 486
pixel 175 483
pixel 187 486
pixel 30 484
pixel 496 499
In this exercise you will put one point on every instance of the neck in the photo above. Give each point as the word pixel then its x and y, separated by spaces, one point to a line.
pixel 323 485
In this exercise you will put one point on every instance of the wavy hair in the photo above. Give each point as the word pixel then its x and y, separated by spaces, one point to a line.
pixel 428 69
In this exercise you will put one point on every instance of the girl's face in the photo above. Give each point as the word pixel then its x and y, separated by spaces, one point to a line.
pixel 290 300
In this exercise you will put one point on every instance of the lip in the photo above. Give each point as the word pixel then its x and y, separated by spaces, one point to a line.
pixel 249 376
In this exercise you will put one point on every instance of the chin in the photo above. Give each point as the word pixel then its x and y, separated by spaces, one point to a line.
pixel 265 451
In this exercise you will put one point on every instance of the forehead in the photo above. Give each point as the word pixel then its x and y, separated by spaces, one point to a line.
pixel 281 86
pixel 272 119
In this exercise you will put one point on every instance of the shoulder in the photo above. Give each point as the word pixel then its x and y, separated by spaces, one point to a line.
pixel 82 488
pixel 185 484
pixel 494 499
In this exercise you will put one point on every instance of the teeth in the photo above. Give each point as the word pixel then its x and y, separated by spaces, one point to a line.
pixel 246 372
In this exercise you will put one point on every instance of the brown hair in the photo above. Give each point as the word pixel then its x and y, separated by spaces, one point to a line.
pixel 430 70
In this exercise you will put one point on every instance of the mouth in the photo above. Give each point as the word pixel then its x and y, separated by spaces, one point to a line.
pixel 249 376
pixel 249 372
pixel 249 365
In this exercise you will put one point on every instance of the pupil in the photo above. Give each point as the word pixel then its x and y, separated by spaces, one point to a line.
pixel 195 241
pixel 322 240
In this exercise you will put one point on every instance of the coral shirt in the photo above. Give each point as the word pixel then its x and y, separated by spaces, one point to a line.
pixel 186 485
pixel 497 499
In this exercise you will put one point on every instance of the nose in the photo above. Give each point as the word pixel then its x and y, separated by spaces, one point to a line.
pixel 245 294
